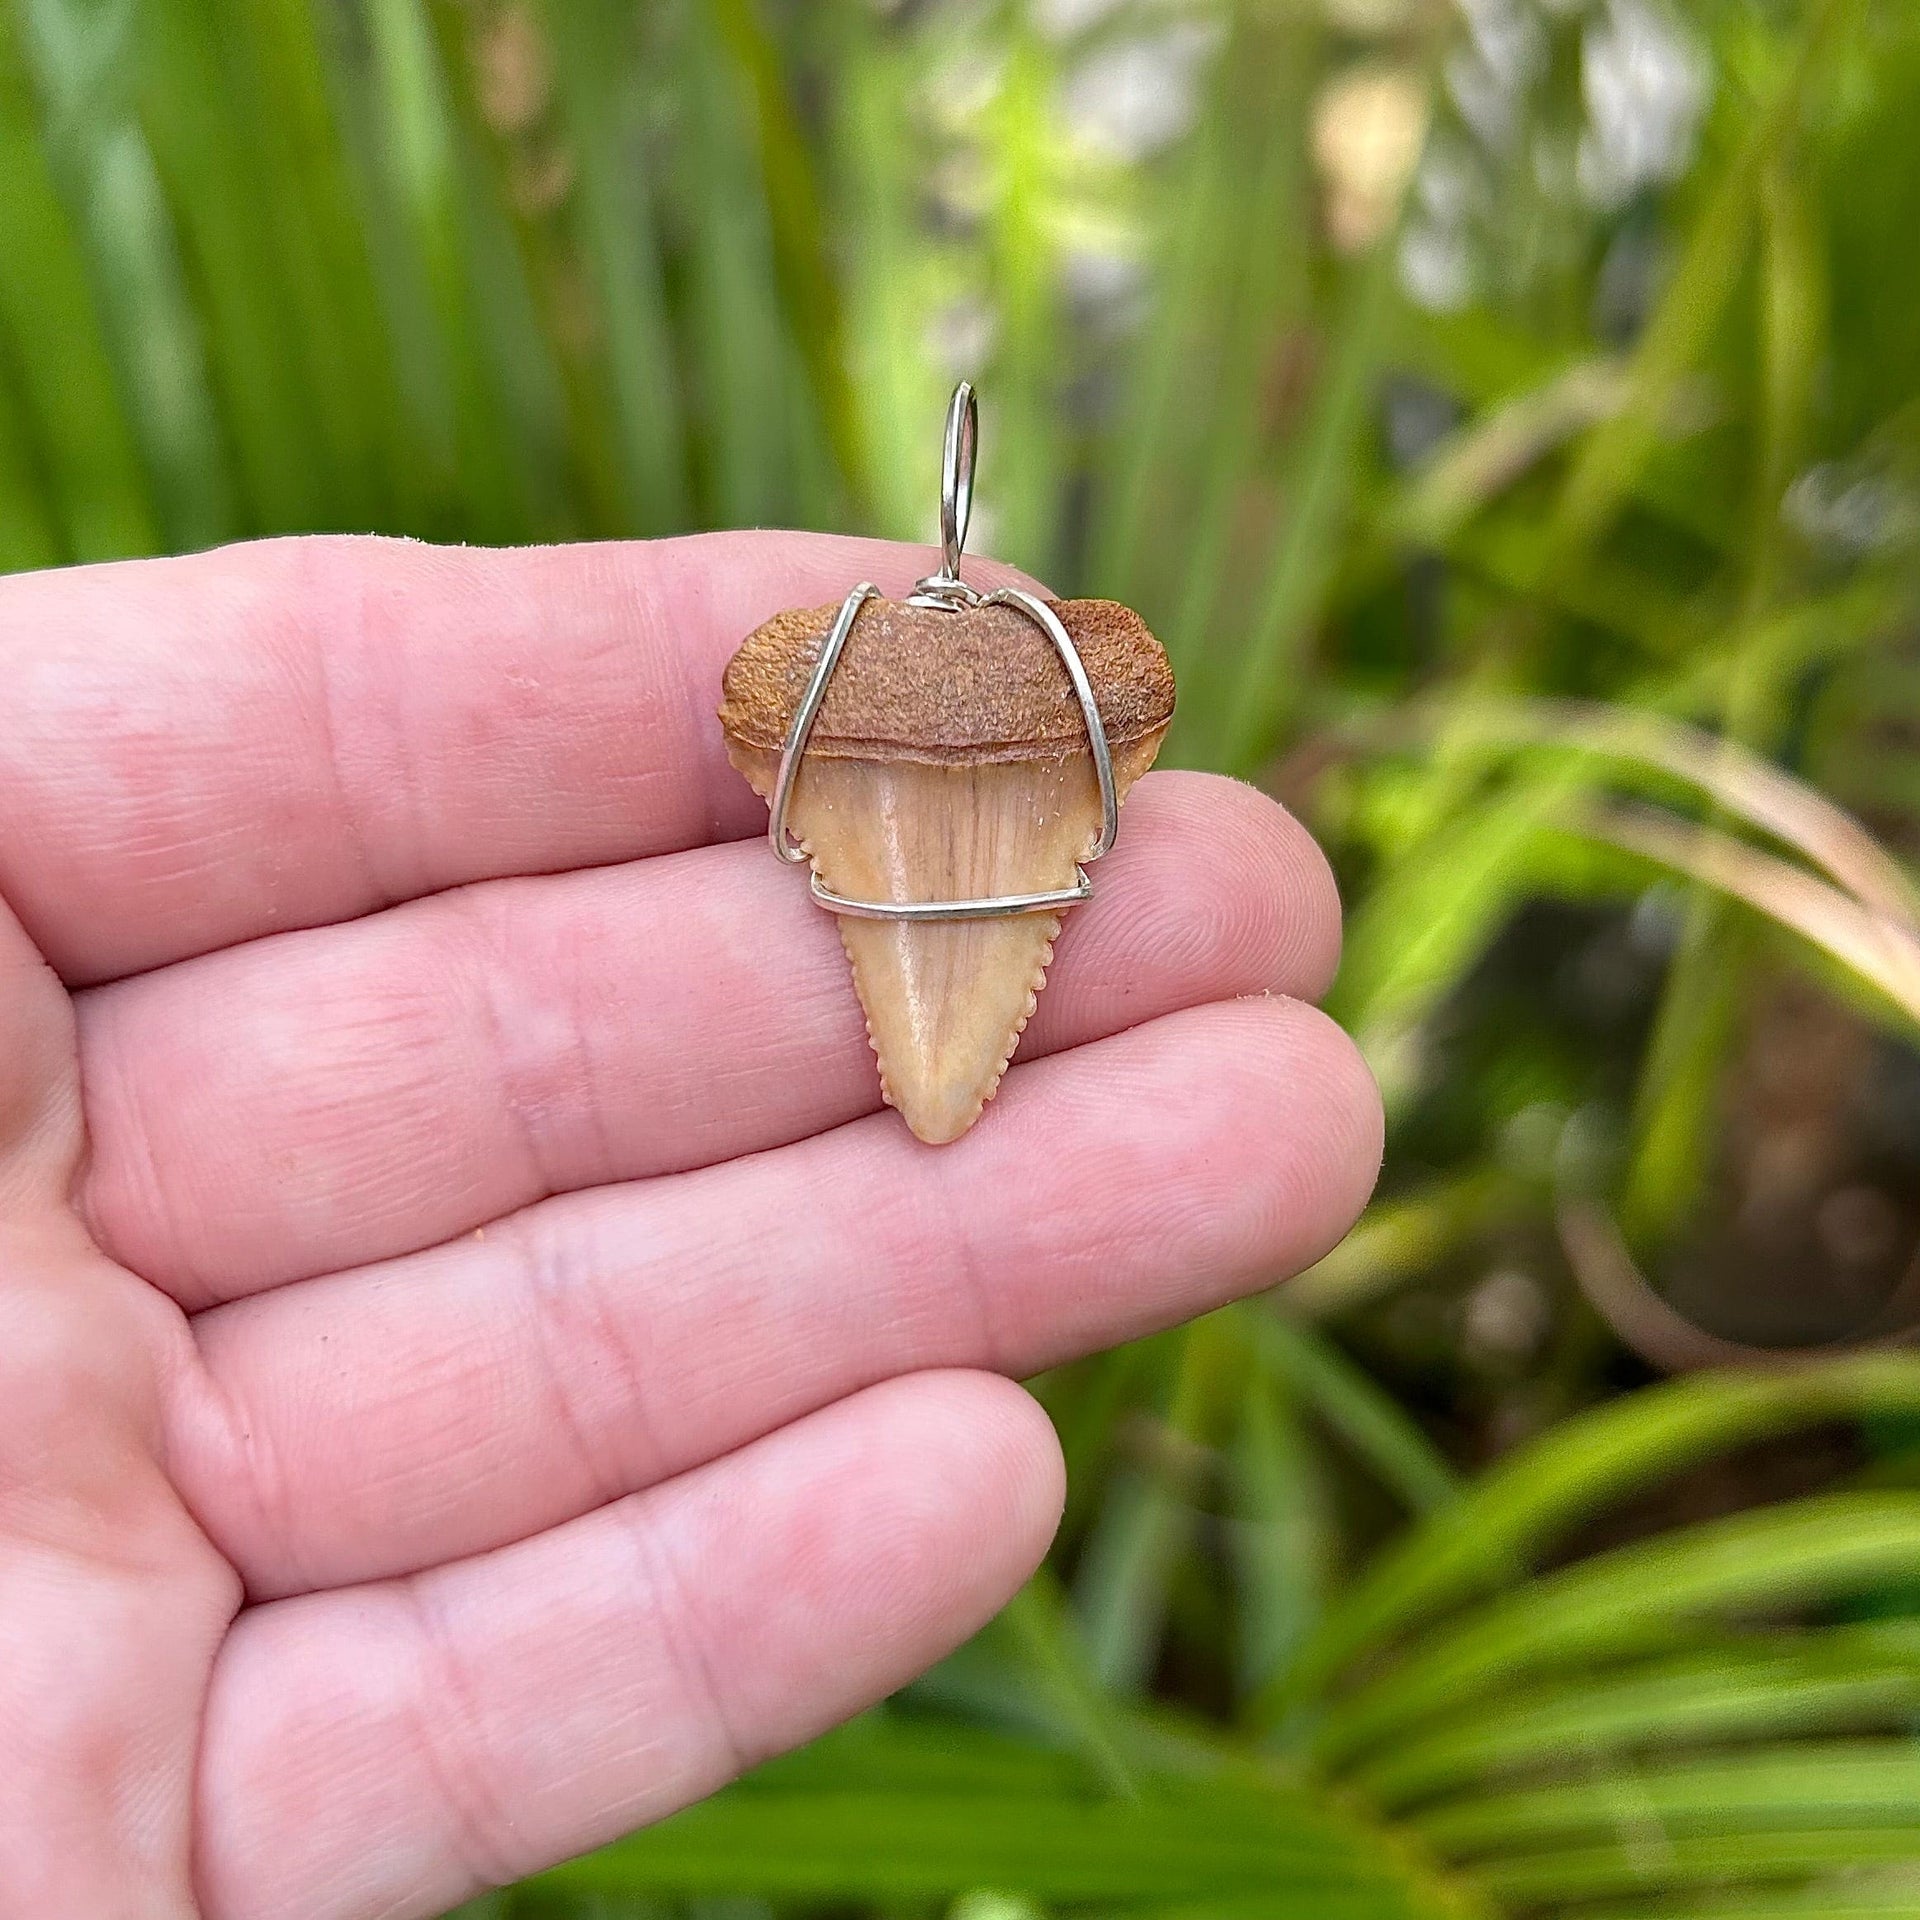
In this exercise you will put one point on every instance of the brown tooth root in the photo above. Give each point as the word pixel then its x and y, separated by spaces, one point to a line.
pixel 949 762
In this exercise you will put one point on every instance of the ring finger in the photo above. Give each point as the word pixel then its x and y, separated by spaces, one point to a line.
pixel 400 1415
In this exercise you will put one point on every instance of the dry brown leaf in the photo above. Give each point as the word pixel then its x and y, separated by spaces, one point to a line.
pixel 1740 781
pixel 1879 949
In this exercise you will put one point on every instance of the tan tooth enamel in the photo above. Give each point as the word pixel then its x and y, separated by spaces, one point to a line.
pixel 946 1000
pixel 949 762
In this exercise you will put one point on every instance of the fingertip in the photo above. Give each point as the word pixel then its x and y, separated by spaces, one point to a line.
pixel 985 1455
pixel 1219 887
pixel 1285 1148
pixel 1213 1152
pixel 1279 888
pixel 1025 1458
pixel 1343 1090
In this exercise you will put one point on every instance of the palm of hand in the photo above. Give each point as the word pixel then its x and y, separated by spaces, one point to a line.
pixel 475 1371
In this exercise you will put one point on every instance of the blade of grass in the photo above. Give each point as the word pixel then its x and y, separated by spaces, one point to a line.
pixel 86 66
pixel 1736 779
pixel 1830 1681
pixel 148 310
pixel 1688 311
pixel 1399 1239
pixel 1883 953
pixel 615 235
pixel 1432 911
pixel 896 272
pixel 1263 282
pixel 1639 1863
pixel 1481 460
pixel 1143 1533
pixel 1634 1597
pixel 798 229
pixel 1675 1105
pixel 476 443
pixel 1838 1784
pixel 1382 1436
pixel 64 373
pixel 1022 414
pixel 1320 486
pixel 29 535
pixel 745 398
pixel 1199 247
pixel 502 127
pixel 1281 1534
pixel 1841 1899
pixel 276 52
pixel 1040 1623
pixel 900 1845
pixel 194 111
pixel 1534 1497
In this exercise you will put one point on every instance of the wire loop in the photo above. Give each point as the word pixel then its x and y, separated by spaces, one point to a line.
pixel 946 592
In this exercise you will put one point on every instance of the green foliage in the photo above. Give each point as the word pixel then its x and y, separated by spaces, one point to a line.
pixel 1682 1723
pixel 1546 534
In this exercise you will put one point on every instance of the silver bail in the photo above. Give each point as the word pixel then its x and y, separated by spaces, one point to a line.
pixel 945 590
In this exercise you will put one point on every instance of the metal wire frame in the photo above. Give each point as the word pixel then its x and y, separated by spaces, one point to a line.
pixel 946 592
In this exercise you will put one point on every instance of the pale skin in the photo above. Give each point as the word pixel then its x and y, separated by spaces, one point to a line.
pixel 478 1367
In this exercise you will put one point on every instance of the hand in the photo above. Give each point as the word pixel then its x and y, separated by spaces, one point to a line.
pixel 476 1366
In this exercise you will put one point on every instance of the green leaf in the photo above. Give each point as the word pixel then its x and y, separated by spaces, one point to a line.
pixel 1836 1786
pixel 63 374
pixel 797 226
pixel 1432 913
pixel 1794 1683
pixel 1039 1620
pixel 1320 487
pixel 566 393
pixel 1688 312
pixel 460 312
pixel 1518 1510
pixel 1281 1532
pixel 1225 313
pixel 200 101
pixel 942 1812
pixel 1637 1596
pixel 751 404
pixel 1126 1572
pixel 29 535
pixel 615 235
pixel 1372 1423
pixel 1640 1862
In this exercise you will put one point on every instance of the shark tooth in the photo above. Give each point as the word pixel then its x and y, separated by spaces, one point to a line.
pixel 949 761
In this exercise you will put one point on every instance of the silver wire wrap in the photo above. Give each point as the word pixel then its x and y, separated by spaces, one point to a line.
pixel 946 592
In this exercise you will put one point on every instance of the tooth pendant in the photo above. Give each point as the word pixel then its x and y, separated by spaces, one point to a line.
pixel 949 765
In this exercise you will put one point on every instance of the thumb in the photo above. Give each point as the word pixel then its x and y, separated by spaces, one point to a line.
pixel 41 1133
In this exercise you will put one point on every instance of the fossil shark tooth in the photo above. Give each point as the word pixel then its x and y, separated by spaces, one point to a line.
pixel 949 761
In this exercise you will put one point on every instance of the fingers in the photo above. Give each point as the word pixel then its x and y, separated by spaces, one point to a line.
pixel 297 731
pixel 348 1093
pixel 388 1750
pixel 394 1417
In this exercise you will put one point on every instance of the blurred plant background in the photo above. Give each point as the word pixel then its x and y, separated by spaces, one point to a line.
pixel 1508 411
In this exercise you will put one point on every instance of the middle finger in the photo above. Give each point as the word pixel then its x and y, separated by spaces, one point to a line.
pixel 323 1098
pixel 374 1422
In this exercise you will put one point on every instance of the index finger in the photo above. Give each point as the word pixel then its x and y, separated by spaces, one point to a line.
pixel 198 751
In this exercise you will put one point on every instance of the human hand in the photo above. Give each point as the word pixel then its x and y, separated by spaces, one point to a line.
pixel 476 1368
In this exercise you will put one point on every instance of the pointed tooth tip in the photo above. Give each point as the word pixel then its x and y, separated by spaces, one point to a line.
pixel 938 1112
pixel 939 1129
